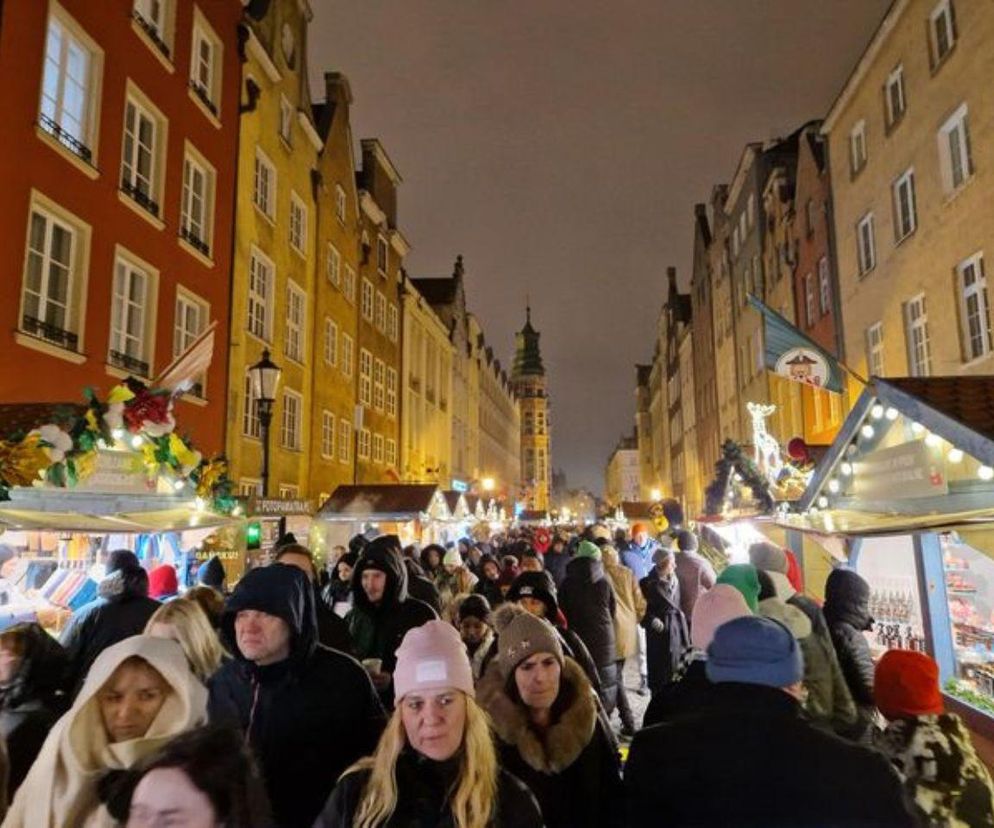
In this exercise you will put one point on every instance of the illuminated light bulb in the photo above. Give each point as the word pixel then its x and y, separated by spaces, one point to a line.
pixel 852 450
pixel 933 440
pixel 877 411
pixel 101 444
pixel 833 486
pixel 867 431
pixel 891 413
pixel 846 469
pixel 201 504
pixel 117 434
pixel 917 428
pixel 178 485
pixel 237 511
pixel 955 455
pixel 136 442
pixel 985 473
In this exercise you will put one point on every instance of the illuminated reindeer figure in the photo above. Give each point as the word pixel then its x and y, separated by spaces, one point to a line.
pixel 765 445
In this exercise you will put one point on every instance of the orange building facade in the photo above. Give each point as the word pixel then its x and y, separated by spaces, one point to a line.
pixel 117 153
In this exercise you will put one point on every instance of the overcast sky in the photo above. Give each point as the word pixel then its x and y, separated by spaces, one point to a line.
pixel 560 146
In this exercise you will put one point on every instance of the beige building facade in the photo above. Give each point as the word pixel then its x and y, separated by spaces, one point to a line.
pixel 621 477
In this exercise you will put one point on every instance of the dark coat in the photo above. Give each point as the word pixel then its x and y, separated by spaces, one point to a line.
pixel 211 573
pixel 32 702
pixel 420 587
pixel 306 718
pixel 847 612
pixel 751 760
pixel 572 768
pixel 686 696
pixel 121 611
pixel 489 590
pixel 555 565
pixel 666 633
pixel 332 631
pixel 696 576
pixel 423 789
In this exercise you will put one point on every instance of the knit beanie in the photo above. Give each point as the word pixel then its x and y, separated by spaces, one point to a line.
pixel 720 604
pixel 121 559
pixel 536 585
pixel 475 606
pixel 639 527
pixel 162 581
pixel 662 554
pixel 907 684
pixel 686 541
pixel 754 650
pixel 524 636
pixel 743 577
pixel 586 549
pixel 432 657
pixel 452 558
pixel 600 532
pixel 768 556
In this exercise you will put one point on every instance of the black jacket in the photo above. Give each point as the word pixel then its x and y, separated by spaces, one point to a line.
pixel 423 790
pixel 751 760
pixel 686 696
pixel 332 631
pixel 847 612
pixel 121 611
pixel 587 598
pixel 667 636
pixel 555 565
pixel 489 590
pixel 32 702
pixel 420 587
pixel 306 718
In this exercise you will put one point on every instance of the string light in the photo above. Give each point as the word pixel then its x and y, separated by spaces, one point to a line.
pixel 833 486
pixel 917 428
pixel 822 502
pixel 955 455
pixel 933 440
pixel 892 414
pixel 136 442
pixel 867 431
pixel 846 469
pixel 985 473
pixel 877 411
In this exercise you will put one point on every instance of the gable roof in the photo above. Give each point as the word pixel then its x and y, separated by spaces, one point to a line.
pixel 379 501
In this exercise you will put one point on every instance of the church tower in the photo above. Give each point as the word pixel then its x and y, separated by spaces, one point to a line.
pixel 528 379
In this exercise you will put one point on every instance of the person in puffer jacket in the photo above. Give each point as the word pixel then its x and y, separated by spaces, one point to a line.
pixel 847 612
pixel 930 749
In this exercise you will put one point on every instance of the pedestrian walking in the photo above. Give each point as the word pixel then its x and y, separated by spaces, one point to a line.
pixel 210 601
pixel 556 560
pixel 745 579
pixel 489 584
pixel 435 765
pixel 332 630
pixel 636 554
pixel 695 574
pixel 184 622
pixel 420 586
pixel 629 610
pixel 455 578
pixel 476 629
pixel 667 634
pixel 338 592
pixel 211 573
pixel 431 560
pixel 847 613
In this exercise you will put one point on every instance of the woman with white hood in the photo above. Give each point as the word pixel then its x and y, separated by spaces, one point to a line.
pixel 138 695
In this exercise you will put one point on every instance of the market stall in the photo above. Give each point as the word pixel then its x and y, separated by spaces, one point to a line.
pixel 276 517
pixel 415 512
pixel 462 521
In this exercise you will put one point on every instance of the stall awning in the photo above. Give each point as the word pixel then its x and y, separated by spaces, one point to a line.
pixel 849 522
pixel 384 503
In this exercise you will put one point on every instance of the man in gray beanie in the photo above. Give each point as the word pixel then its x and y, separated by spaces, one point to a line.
pixel 764 764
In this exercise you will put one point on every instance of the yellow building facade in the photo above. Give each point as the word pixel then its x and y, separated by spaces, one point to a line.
pixel 529 382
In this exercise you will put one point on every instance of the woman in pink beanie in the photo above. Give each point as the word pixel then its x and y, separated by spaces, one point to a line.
pixel 435 764
pixel 720 604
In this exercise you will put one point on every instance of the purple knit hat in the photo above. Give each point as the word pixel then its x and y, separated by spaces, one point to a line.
pixel 718 605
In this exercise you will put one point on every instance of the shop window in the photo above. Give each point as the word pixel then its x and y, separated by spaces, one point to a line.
pixel 888 565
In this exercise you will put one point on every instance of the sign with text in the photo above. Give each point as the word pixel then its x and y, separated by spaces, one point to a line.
pixel 117 472
pixel 910 470
pixel 280 507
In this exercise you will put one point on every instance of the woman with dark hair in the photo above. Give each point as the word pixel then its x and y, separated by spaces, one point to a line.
pixel 205 778
pixel 431 560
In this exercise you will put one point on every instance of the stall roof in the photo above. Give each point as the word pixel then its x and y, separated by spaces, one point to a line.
pixel 392 502
pixel 849 522
pixel 533 516
pixel 17 418
pixel 638 509
pixel 457 503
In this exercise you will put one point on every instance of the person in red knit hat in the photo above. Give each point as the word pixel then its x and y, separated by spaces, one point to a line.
pixel 930 749
pixel 163 583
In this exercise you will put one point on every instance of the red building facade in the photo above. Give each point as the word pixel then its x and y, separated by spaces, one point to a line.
pixel 117 153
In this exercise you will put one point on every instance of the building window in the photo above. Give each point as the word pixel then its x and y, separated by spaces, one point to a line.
pixel 205 64
pixel 381 312
pixel 340 203
pixel 857 148
pixel 391 452
pixel 824 286
pixel 943 28
pixel 743 228
pixel 143 152
pixel 262 278
pixel 347 352
pixel 367 300
pixel 391 392
pixel 286 121
pixel 955 157
pixel 916 336
pixel 974 307
pixel 264 184
pixel 382 255
pixel 53 278
pixel 298 224
pixel 905 215
pixel 287 491
pixel 130 336
pixel 327 435
pixel 377 448
pixel 875 349
pixel 196 220
pixel 379 384
pixel 809 299
pixel 70 85
pixel 365 377
pixel 809 217
pixel 344 440
pixel 751 212
pixel 251 424
pixel 866 244
pixel 248 487
pixel 190 321
pixel 152 17
pixel 364 443
pixel 349 286
pixel 291 425
pixel 392 323
pixel 330 342
pixel 894 96
pixel 334 265
pixel 296 314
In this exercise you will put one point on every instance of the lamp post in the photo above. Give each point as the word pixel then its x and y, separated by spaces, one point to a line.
pixel 264 376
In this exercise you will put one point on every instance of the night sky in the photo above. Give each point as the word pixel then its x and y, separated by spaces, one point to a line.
pixel 560 146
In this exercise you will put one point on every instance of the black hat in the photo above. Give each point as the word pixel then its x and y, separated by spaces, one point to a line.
pixel 475 606
pixel 536 585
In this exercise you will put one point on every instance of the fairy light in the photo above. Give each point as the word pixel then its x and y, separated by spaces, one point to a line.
pixel 822 502
pixel 985 473
pixel 891 414
pixel 846 469
pixel 917 428
pixel 955 455
pixel 833 486
pixel 877 411
pixel 136 442
pixel 867 431
pixel 933 440
pixel 117 434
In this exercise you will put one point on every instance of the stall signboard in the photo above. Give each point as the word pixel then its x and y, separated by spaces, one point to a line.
pixel 909 470
pixel 117 472
pixel 280 507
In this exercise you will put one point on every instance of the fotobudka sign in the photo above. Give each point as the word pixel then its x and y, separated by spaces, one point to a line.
pixel 911 470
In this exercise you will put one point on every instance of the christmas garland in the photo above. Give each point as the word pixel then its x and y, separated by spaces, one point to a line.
pixel 63 453
pixel 734 460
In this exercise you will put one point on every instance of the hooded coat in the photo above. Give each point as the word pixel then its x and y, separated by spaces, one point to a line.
pixel 62 786
pixel 211 573
pixel 555 564
pixel 306 718
pixel 32 702
pixel 572 767
pixel 847 612
pixel 421 587
pixel 696 576
pixel 121 611
pixel 629 607
pixel 639 558
pixel 666 632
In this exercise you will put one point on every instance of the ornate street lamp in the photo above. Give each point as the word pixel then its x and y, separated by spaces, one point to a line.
pixel 265 376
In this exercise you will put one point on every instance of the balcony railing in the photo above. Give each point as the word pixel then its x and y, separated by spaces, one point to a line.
pixel 152 31
pixel 70 142
pixel 140 197
pixel 194 240
pixel 52 333
pixel 129 363
pixel 204 95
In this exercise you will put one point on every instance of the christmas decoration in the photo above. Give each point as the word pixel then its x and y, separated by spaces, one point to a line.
pixel 726 492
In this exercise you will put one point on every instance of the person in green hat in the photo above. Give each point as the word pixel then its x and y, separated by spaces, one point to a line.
pixel 746 580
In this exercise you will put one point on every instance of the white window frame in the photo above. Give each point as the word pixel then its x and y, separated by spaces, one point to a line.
pixel 348 355
pixel 751 211
pixel 187 304
pixel 905 210
pixel 365 377
pixel 344 440
pixel 393 323
pixel 917 337
pixel 288 490
pixel 251 424
pixel 954 143
pixel 380 312
pixel 857 147
pixel 942 11
pixel 824 286
pixel 391 392
pixel 161 26
pixel 379 384
pixel 330 342
pixel 333 266
pixel 348 283
pixel 249 487
pixel 974 307
pixel 295 330
pixel 866 244
pixel 365 440
pixel 809 299
pixel 259 321
pixel 328 434
pixel 194 163
pixel 133 181
pixel 208 87
pixel 382 256
pixel 124 310
pixel 291 422
pixel 366 304
pixel 875 349
pixel 264 185
pixel 390 454
pixel 285 128
pixel 894 101
pixel 377 448
pixel 299 217
pixel 340 200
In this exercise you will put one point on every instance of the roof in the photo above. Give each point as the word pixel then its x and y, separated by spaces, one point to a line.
pixel 452 498
pixel 531 515
pixel 437 291
pixel 638 509
pixel 19 418
pixel 527 357
pixel 383 501
pixel 968 400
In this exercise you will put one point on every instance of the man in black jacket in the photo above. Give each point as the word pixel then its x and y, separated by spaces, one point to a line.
pixel 308 712
pixel 121 611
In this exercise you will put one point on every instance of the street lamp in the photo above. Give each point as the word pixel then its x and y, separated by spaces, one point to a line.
pixel 655 495
pixel 264 376
pixel 488 484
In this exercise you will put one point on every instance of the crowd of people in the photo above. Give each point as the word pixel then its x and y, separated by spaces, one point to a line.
pixel 477 685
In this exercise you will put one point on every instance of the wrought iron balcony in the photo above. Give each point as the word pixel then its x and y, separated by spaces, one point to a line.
pixel 129 363
pixel 70 142
pixel 204 95
pixel 152 31
pixel 52 333
pixel 197 390
pixel 194 240
pixel 139 196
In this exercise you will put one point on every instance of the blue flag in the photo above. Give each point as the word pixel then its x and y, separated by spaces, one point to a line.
pixel 792 355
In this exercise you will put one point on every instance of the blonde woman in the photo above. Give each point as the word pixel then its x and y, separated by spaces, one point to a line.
pixel 435 764
pixel 183 621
